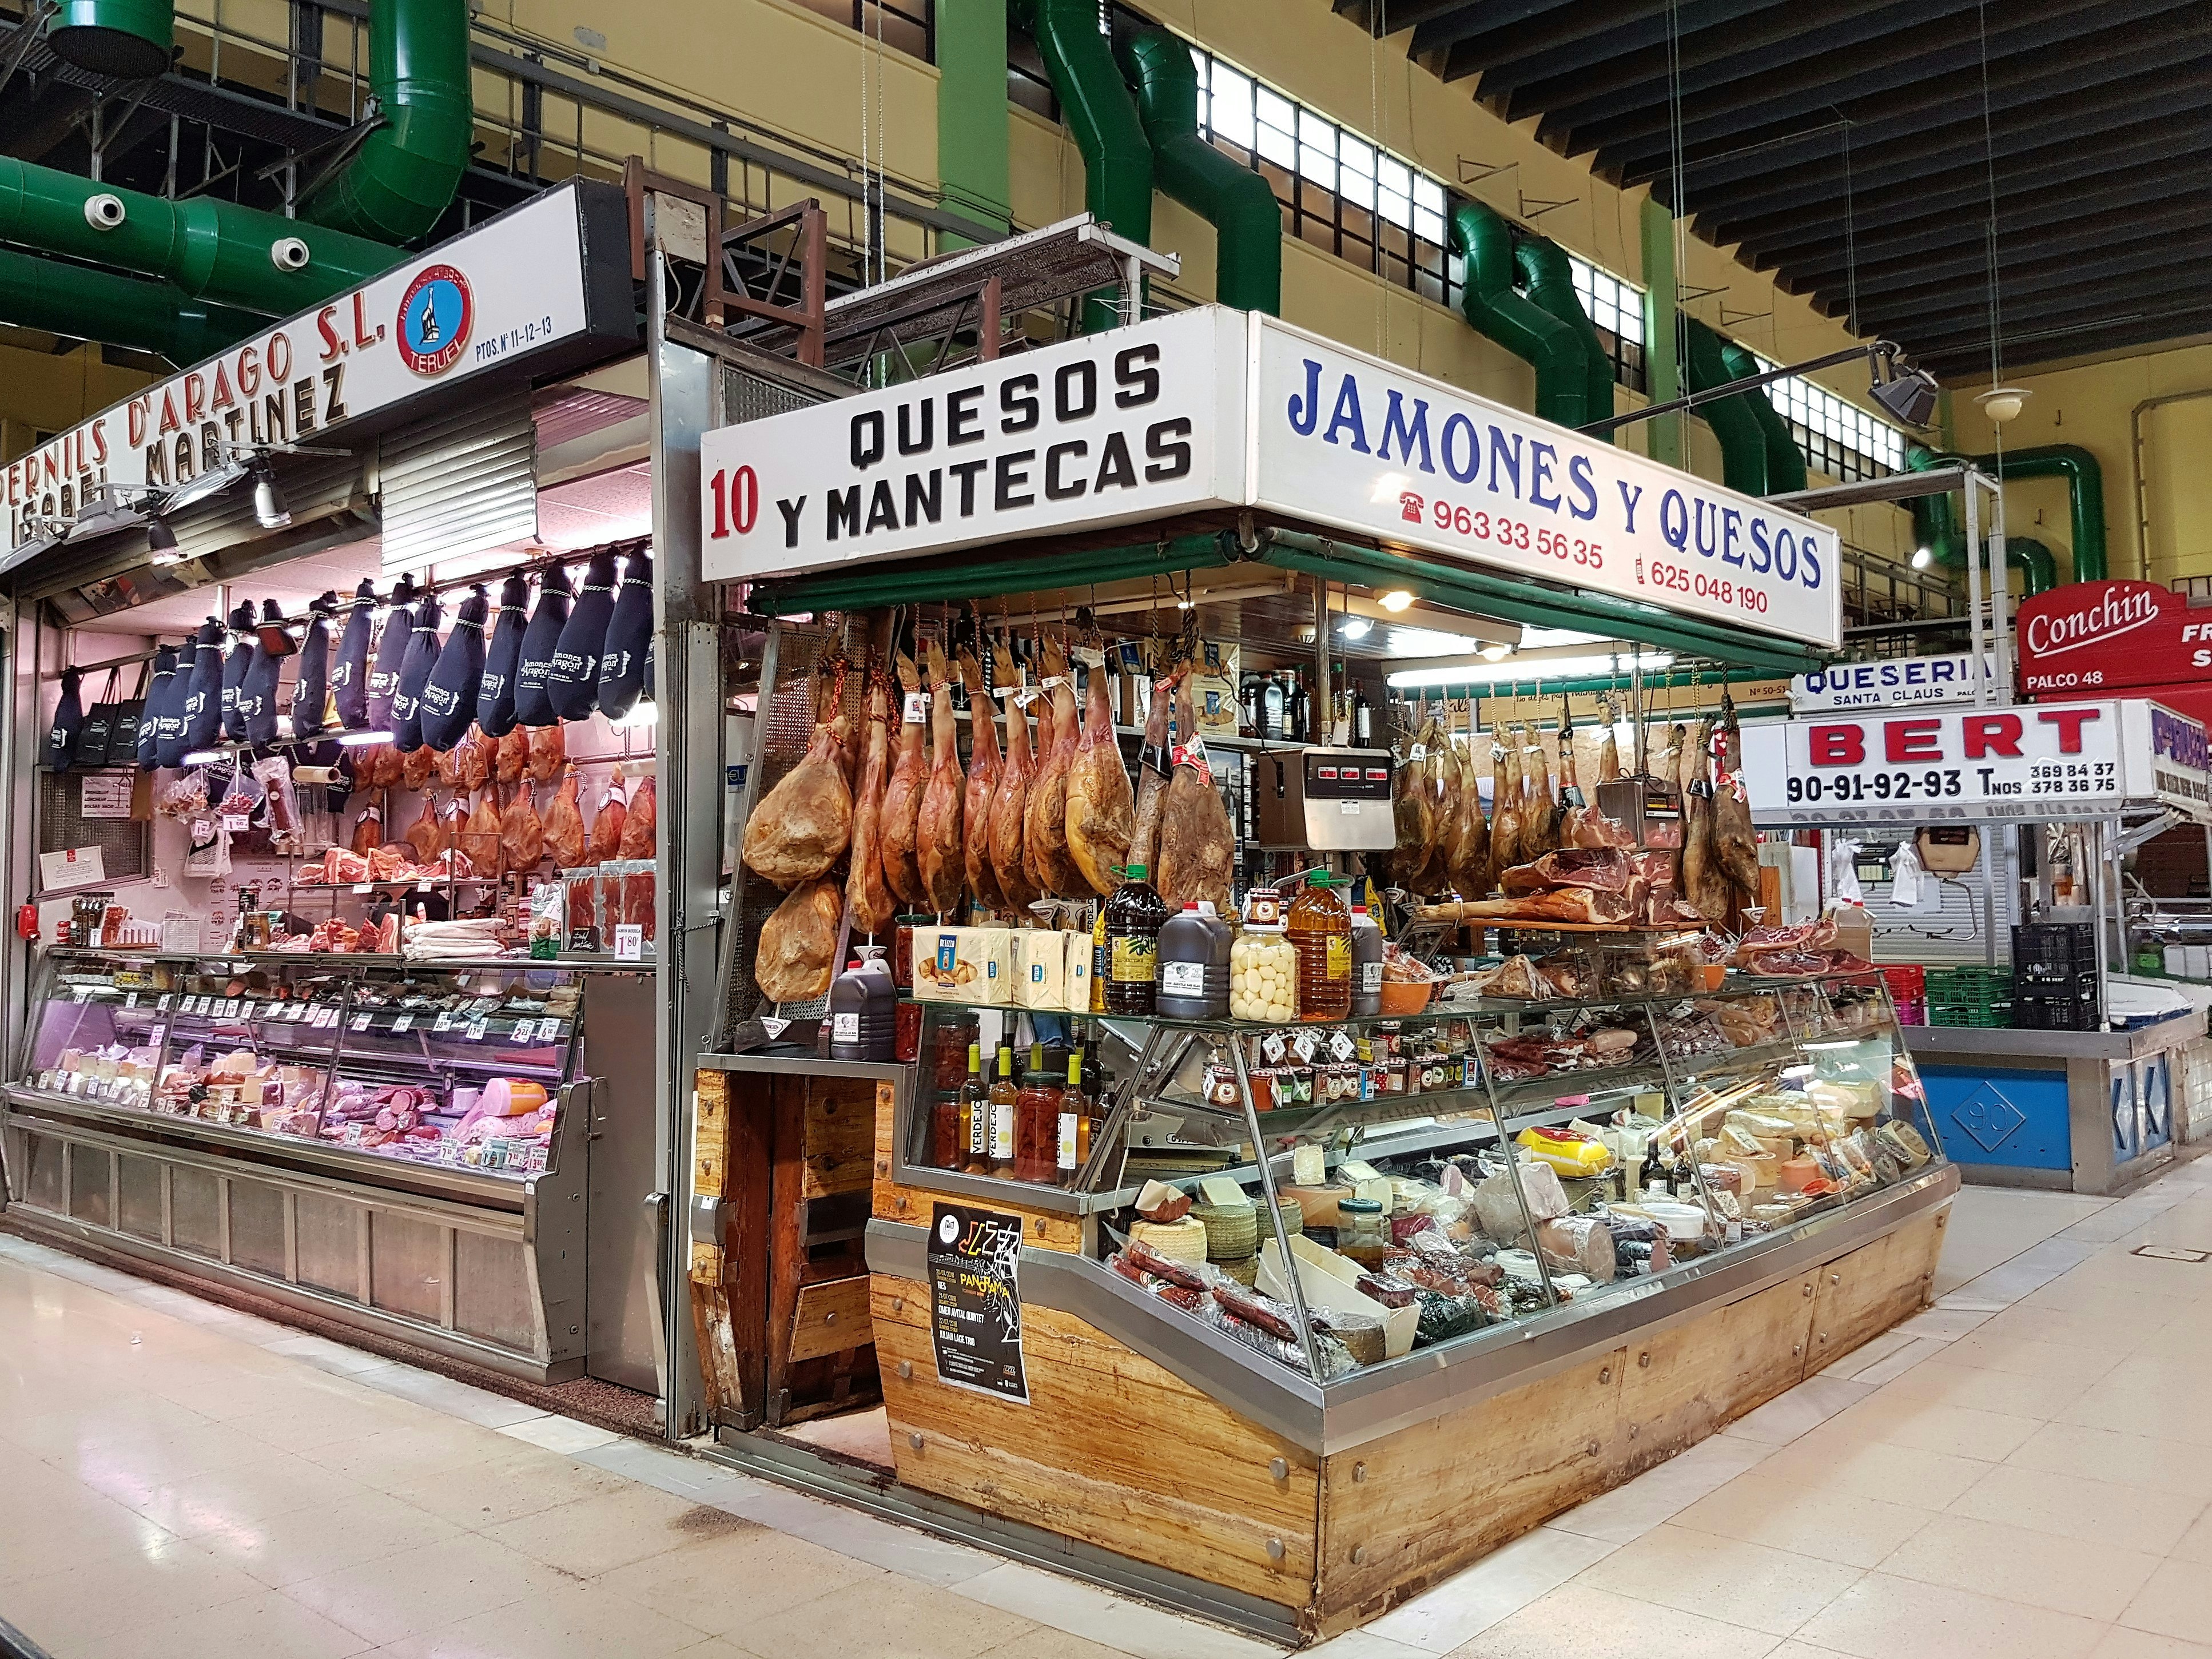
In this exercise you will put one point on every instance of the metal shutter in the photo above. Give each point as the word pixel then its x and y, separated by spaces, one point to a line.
pixel 464 483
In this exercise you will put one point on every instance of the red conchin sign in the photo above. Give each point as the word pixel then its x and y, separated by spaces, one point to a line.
pixel 2095 637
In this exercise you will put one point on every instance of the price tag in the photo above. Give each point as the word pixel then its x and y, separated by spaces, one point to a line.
pixel 424 886
pixel 364 887
pixel 524 1031
pixel 360 1023
pixel 444 1021
pixel 233 1007
pixel 916 709
pixel 163 1007
pixel 84 992
pixel 131 1000
pixel 476 1028
pixel 402 1024
pixel 329 1016
pixel 1341 1045
pixel 234 822
pixel 630 942
pixel 1305 1045
pixel 1273 1048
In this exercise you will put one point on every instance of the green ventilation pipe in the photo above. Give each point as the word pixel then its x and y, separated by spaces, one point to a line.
pixel 1240 204
pixel 129 39
pixel 406 172
pixel 213 250
pixel 1934 517
pixel 1785 462
pixel 1935 526
pixel 1743 444
pixel 1117 160
pixel 1500 312
pixel 1551 282
pixel 125 311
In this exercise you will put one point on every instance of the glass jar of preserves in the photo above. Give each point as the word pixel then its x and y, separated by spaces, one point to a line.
pixel 1361 1231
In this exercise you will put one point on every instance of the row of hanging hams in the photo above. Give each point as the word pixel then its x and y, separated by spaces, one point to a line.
pixel 1449 848
pixel 503 831
pixel 1029 816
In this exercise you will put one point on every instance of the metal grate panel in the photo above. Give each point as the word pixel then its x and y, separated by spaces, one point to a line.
pixel 463 484
pixel 123 843
pixel 749 398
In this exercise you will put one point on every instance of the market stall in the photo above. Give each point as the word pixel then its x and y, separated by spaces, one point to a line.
pixel 1314 1139
pixel 2048 1064
pixel 334 832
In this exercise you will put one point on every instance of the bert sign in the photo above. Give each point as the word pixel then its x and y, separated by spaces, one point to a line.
pixel 2045 761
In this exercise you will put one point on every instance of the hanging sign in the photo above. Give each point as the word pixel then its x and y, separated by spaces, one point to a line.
pixel 1135 423
pixel 105 795
pixel 975 1300
pixel 1898 681
pixel 1212 408
pixel 2098 637
pixel 1343 439
pixel 497 295
pixel 2051 761
pixel 2180 768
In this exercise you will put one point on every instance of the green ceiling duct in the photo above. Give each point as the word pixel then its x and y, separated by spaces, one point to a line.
pixel 2085 494
pixel 1551 279
pixel 124 311
pixel 1743 443
pixel 1117 158
pixel 406 172
pixel 1240 204
pixel 1785 462
pixel 212 249
pixel 1935 526
pixel 129 39
pixel 1500 312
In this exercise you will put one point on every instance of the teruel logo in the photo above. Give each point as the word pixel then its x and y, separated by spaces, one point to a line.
pixel 434 319
pixel 2115 609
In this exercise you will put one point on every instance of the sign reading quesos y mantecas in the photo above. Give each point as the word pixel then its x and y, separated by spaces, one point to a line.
pixel 2047 761
pixel 505 289
pixel 1213 408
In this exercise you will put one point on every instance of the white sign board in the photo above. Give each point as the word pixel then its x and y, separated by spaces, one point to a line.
pixel 1896 683
pixel 1212 408
pixel 104 794
pixel 72 866
pixel 1343 439
pixel 1110 428
pixel 515 285
pixel 2048 761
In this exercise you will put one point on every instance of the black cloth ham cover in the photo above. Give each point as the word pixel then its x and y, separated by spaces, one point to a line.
pixel 68 722
pixel 257 692
pixel 629 636
pixel 233 670
pixel 503 659
pixel 415 676
pixel 350 673
pixel 157 705
pixel 572 684
pixel 449 700
pixel 311 692
pixel 391 654
pixel 532 707
pixel 649 645
pixel 204 697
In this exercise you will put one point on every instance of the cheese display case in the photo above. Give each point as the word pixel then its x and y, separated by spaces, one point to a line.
pixel 1532 1246
pixel 403 1147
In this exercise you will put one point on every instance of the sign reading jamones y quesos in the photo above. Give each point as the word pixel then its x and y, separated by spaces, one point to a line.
pixel 1213 407
pixel 502 291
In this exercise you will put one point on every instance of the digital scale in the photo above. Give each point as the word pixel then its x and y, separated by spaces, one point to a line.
pixel 1333 801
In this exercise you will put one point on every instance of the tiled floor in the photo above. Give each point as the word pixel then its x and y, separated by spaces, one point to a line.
pixel 2025 1469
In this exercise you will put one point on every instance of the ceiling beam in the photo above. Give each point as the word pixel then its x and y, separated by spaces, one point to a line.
pixel 2124 230
pixel 2144 331
pixel 1471 19
pixel 1618 46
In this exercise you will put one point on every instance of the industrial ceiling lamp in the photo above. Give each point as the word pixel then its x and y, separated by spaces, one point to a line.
pixel 270 510
pixel 2002 403
pixel 1909 394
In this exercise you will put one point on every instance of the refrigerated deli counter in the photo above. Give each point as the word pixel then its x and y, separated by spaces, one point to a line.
pixel 402 1149
pixel 1373 1349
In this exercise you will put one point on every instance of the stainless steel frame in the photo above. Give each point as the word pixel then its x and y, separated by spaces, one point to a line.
pixel 532 1328
pixel 1381 1400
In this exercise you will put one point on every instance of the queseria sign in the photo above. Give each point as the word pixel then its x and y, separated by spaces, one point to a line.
pixel 1213 408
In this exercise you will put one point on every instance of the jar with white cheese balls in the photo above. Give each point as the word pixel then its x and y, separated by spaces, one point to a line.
pixel 1263 964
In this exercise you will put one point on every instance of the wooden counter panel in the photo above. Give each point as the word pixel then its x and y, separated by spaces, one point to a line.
pixel 1683 1384
pixel 1111 1449
pixel 1862 1295
pixel 840 1130
pixel 1416 1506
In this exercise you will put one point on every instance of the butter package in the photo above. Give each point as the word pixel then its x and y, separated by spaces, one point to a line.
pixel 1075 972
pixel 1040 969
pixel 963 964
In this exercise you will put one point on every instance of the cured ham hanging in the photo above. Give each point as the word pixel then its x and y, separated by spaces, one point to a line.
pixel 938 857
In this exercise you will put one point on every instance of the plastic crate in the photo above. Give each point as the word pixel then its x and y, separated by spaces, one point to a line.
pixel 1910 1011
pixel 2054 952
pixel 1906 984
pixel 1994 1016
pixel 1969 996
